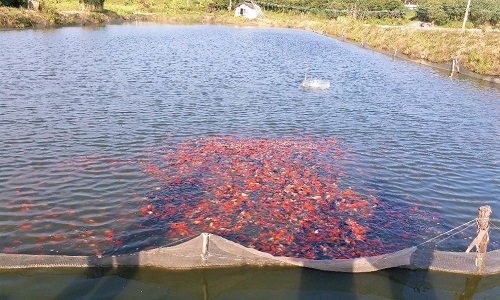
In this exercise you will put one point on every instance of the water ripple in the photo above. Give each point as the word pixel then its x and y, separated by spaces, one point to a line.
pixel 80 110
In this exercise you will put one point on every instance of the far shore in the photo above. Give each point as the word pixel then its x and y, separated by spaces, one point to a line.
pixel 476 51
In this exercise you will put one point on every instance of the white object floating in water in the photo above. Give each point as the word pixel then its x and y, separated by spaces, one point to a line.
pixel 317 84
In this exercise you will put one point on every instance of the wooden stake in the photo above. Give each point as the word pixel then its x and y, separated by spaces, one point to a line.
pixel 483 236
pixel 205 246
pixel 452 67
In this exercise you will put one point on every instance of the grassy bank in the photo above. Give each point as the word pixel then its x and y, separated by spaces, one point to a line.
pixel 477 50
pixel 22 18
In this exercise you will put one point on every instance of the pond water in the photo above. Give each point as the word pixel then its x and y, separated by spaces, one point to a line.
pixel 84 111
pixel 243 283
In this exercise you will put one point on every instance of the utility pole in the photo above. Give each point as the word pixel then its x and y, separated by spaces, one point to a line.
pixel 466 15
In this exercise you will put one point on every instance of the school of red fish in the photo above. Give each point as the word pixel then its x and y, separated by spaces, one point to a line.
pixel 283 196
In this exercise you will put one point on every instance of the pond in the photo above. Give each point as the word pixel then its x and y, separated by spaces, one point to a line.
pixel 85 113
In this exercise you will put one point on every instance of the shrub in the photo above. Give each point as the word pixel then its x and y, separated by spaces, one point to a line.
pixel 445 11
pixel 13 3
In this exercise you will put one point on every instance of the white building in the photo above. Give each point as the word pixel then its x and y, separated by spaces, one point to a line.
pixel 249 10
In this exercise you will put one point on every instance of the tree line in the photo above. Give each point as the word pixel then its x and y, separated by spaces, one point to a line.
pixel 441 12
pixel 438 12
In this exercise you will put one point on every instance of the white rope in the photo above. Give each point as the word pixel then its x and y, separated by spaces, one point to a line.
pixel 447 232
pixel 491 223
pixel 455 233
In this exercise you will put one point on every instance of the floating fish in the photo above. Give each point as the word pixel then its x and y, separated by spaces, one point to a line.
pixel 284 191
pixel 284 196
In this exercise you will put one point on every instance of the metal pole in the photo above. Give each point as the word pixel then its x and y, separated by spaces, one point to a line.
pixel 466 14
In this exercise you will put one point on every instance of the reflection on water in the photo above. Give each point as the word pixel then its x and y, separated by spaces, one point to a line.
pixel 245 283
pixel 470 288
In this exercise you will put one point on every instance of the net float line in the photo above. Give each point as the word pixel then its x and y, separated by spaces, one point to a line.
pixel 212 251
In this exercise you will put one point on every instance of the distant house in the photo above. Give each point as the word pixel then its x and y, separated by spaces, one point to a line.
pixel 410 5
pixel 249 10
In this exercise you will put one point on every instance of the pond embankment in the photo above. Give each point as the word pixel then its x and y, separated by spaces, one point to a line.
pixel 23 18
pixel 474 53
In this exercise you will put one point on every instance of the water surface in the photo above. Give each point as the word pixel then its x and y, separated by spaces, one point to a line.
pixel 82 110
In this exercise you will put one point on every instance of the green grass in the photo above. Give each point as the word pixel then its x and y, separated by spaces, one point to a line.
pixel 123 6
pixel 458 24
pixel 61 5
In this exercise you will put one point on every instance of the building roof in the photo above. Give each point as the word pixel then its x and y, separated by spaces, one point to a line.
pixel 249 4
